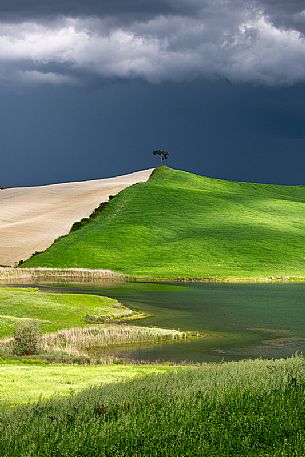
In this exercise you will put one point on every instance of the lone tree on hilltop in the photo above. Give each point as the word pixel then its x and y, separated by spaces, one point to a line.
pixel 163 154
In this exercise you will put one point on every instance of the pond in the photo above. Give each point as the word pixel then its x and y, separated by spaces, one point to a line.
pixel 238 320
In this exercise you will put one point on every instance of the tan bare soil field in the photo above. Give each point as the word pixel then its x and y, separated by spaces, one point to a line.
pixel 31 218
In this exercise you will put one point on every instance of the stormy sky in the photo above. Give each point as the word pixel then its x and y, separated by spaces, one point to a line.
pixel 89 89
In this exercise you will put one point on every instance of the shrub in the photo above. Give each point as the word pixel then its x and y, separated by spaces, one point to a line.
pixel 97 212
pixel 92 319
pixel 26 338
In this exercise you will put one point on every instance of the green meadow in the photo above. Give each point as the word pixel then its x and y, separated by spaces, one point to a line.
pixel 53 311
pixel 254 408
pixel 31 381
pixel 180 225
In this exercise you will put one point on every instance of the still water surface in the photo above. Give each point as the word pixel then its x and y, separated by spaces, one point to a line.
pixel 239 320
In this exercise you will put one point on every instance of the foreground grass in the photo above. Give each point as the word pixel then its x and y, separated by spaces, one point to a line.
pixel 34 380
pixel 238 409
pixel 180 225
pixel 54 311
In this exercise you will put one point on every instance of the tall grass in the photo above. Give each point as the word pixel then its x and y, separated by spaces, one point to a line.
pixel 245 409
pixel 77 341
pixel 80 274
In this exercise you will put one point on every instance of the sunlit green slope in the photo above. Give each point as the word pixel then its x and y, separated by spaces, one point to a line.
pixel 180 225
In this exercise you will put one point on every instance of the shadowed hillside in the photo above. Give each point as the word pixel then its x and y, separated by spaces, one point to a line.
pixel 178 224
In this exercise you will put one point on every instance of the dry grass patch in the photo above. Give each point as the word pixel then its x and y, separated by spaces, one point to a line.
pixel 77 341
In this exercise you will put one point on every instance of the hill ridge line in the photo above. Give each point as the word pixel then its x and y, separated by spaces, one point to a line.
pixel 32 218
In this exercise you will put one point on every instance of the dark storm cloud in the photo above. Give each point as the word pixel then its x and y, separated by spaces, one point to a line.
pixel 170 40
pixel 286 13
pixel 281 7
pixel 280 10
pixel 20 9
pixel 237 132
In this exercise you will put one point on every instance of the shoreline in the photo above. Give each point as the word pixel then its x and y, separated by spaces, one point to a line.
pixel 11 274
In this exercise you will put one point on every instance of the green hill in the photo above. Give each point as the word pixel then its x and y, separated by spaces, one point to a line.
pixel 180 225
